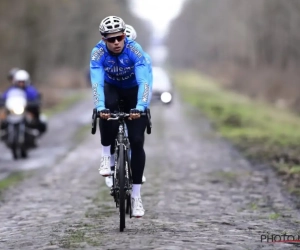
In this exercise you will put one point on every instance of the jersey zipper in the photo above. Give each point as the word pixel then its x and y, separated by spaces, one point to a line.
pixel 118 75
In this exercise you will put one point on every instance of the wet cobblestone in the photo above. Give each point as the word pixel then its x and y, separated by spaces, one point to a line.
pixel 200 194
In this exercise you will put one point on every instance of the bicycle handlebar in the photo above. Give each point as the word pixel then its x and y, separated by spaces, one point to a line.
pixel 117 116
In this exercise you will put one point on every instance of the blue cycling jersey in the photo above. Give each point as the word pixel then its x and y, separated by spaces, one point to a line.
pixel 128 69
pixel 31 93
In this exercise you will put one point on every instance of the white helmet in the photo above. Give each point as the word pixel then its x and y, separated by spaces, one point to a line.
pixel 21 75
pixel 111 24
pixel 130 32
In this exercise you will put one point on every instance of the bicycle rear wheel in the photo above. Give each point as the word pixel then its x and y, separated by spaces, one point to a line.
pixel 121 175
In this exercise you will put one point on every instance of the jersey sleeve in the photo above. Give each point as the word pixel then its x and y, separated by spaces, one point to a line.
pixel 150 76
pixel 97 78
pixel 142 77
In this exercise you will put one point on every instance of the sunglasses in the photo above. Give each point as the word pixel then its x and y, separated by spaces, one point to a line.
pixel 113 39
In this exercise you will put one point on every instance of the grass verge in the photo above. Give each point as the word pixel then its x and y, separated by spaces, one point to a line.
pixel 265 134
pixel 13 179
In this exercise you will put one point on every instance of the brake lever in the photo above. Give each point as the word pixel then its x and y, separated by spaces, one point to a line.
pixel 94 121
pixel 149 125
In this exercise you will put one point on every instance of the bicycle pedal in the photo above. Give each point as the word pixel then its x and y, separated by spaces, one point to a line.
pixel 111 192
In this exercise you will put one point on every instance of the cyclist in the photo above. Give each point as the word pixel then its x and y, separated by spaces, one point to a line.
pixel 131 34
pixel 119 69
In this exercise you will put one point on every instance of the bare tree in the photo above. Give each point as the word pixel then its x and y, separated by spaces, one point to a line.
pixel 259 38
pixel 43 36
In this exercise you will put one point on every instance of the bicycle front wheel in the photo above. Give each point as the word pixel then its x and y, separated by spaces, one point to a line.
pixel 121 175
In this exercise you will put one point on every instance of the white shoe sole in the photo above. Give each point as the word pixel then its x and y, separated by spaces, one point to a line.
pixel 137 216
pixel 105 174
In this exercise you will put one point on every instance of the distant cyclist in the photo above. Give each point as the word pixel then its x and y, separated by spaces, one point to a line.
pixel 131 34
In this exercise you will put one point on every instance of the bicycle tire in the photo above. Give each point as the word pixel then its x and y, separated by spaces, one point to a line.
pixel 122 194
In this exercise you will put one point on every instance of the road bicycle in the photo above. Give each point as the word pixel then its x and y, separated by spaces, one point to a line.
pixel 121 174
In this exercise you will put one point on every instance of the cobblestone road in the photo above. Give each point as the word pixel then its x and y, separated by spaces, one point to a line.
pixel 200 194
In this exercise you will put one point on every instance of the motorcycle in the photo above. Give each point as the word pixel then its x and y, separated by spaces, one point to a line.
pixel 18 130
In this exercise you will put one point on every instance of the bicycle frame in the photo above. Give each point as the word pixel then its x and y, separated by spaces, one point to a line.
pixel 122 174
pixel 122 139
